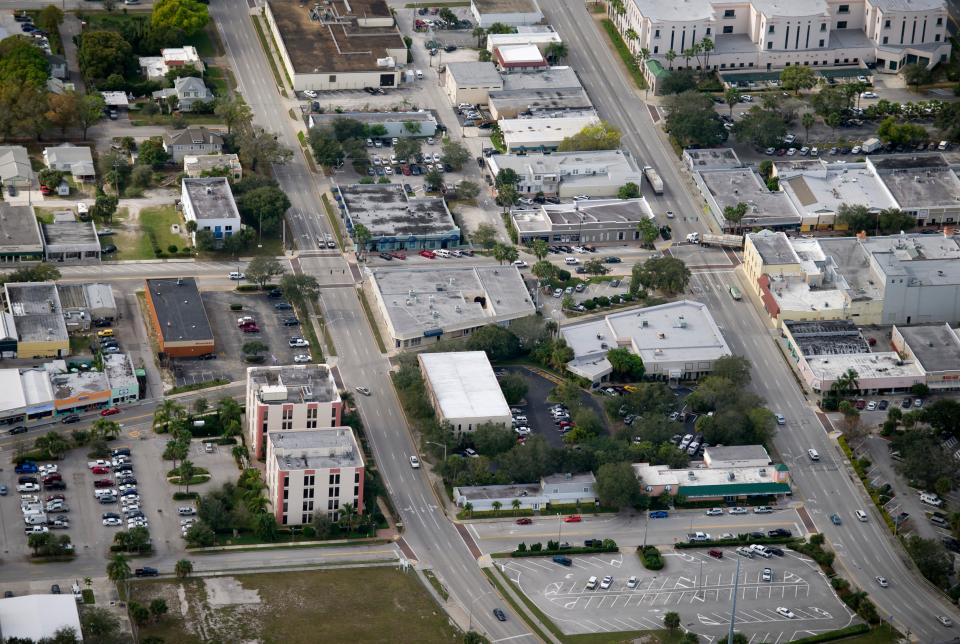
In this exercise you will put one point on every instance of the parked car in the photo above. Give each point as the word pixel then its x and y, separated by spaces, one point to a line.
pixel 524 521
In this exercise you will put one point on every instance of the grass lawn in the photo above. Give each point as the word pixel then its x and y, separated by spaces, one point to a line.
pixel 353 605
pixel 207 42
pixel 167 119
pixel 883 634
pixel 219 80
pixel 44 215
pixel 155 223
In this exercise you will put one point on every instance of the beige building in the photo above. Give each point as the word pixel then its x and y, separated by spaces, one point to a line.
pixel 464 390
pixel 471 82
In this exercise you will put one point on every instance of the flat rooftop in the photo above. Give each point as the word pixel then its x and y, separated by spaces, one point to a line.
pixel 506 6
pixel 827 337
pixel 599 213
pixel 375 117
pixel 614 165
pixel 540 99
pixel 37 311
pixel 918 181
pixel 475 74
pixel 179 309
pixel 703 158
pixel 793 293
pixel 12 396
pixel 464 385
pixel 387 211
pixel 493 492
pixel 316 449
pixel 547 130
pixel 119 369
pixel 774 248
pixel 420 300
pixel 19 230
pixel 887 364
pixel 733 453
pixel 71 233
pixel 336 42
pixel 692 476
pixel 211 197
pixel 293 384
pixel 550 78
pixel 743 185
pixel 922 260
pixel 77 384
pixel 936 346
pixel 820 188
pixel 681 331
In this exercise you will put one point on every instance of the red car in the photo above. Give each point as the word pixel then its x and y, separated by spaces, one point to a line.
pixel 524 521
pixel 45 190
pixel 573 518
pixel 55 497
pixel 110 411
pixel 399 254
pixel 860 404
pixel 250 328
pixel 429 254
pixel 103 483
pixel 100 469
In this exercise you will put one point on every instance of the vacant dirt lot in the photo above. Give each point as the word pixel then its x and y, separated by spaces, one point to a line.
pixel 346 605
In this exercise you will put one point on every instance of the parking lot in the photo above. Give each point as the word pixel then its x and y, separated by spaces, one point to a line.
pixel 537 408
pixel 698 587
pixel 230 339
pixel 91 539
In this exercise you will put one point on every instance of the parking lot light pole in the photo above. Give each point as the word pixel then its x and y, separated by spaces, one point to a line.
pixel 443 445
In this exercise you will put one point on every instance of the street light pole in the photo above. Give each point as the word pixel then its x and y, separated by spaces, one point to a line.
pixel 443 445
pixel 733 610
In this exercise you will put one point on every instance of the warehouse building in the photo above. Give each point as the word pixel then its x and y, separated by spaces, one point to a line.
pixel 38 320
pixel 463 389
pixel 74 242
pixel 397 124
pixel 544 134
pixel 313 471
pixel 20 239
pixel 288 398
pixel 677 341
pixel 395 220
pixel 935 348
pixel 337 45
pixel 599 173
pixel 507 12
pixel 471 82
pixel 179 318
pixel 420 306
pixel 513 103
pixel 39 617
pixel 84 303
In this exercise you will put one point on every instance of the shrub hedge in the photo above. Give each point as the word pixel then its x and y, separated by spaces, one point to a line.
pixel 740 540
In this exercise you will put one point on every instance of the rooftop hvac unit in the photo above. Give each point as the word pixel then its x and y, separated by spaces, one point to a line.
pixel 691 475
pixel 763 471
pixel 731 476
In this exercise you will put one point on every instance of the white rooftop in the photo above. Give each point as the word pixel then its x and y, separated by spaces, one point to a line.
pixel 884 364
pixel 794 294
pixel 818 188
pixel 11 390
pixel 464 384
pixel 514 54
pixel 655 475
pixel 543 131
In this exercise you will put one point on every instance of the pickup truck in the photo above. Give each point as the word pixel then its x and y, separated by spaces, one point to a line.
pixel 698 536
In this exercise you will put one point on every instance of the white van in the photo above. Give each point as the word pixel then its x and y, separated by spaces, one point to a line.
pixel 814 456
pixel 81 208
pixel 35 519
pixel 443 252
pixel 419 74
pixel 861 515
pixel 931 499
pixel 592 583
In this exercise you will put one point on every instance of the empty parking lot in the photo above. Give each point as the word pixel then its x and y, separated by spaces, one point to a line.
pixel 698 587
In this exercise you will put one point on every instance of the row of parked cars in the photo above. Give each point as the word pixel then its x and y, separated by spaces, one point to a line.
pixel 118 486
pixel 41 514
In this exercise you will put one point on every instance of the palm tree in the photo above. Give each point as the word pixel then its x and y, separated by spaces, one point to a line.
pixel 479 33
pixel 706 48
pixel 496 507
pixel 166 412
pixel 183 568
pixel 688 53
pixel 187 471
pixel 505 253
pixel 670 56
pixel 468 509
pixel 731 96
pixel 807 121
pixel 539 248
pixel 849 382
pixel 348 516
pixel 515 504
pixel 556 52
pixel 118 571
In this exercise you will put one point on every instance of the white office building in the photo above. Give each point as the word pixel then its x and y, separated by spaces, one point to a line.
pixel 464 390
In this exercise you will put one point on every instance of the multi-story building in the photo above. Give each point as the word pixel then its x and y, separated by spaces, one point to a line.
pixel 772 34
pixel 209 202
pixel 289 398
pixel 311 471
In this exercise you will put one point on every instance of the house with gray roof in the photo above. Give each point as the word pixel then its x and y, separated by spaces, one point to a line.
pixel 193 140
pixel 188 90
pixel 75 159
pixel 15 166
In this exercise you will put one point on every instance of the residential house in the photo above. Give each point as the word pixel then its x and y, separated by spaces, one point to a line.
pixel 188 90
pixel 193 140
pixel 75 159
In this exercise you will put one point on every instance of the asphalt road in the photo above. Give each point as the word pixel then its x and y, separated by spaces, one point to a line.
pixel 434 540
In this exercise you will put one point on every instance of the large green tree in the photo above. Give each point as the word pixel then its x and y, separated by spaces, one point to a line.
pixel 797 77
pixel 262 269
pixel 626 365
pixel 263 208
pixel 667 274
pixel 103 53
pixel 188 16
pixel 599 136
pixel 617 485
pixel 762 128
pixel 692 121
pixel 22 62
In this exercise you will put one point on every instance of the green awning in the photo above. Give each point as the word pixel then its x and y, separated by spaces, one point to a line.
pixel 734 489
pixel 655 67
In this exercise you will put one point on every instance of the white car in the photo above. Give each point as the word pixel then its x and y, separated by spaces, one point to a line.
pixel 237 276
pixel 713 512
pixel 669 214
pixel 738 510
pixel 786 612
pixel 112 522
pixel 28 487
pixel 519 263
pixel 766 575
pixel 48 468
pixel 869 95
pixel 363 390
pixel 302 358
pixel 872 405
pixel 415 462
pixel 309 93
pixel 186 510
pixel 791 152
pixel 436 157
pixel 633 582
pixel 298 342
pixel 780 419
pixel 430 140
pixel 606 582
pixel 882 581
pixel 187 522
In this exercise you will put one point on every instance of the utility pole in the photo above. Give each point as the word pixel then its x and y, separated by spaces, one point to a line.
pixel 733 610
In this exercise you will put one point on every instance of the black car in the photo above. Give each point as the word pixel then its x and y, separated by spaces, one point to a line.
pixel 121 451
pixel 109 248
pixel 101 323
pixel 757 535
pixel 55 589
pixel 283 306
pixel 612 260
pixel 19 429
pixel 779 532
pixel 774 551
pixel 7 594
pixel 386 256
pixel 274 293
pixel 146 571
pixel 906 403
pixel 291 322
pixel 126 480
pixel 55 485
pixel 208 356
pixel 72 418
pixel 499 614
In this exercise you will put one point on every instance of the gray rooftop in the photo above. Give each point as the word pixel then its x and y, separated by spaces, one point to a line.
pixel 705 158
pixel 14 163
pixel 586 477
pixel 540 99
pixel 418 300
pixel 918 181
pixel 19 230
pixel 37 311
pixel 387 211
pixel 920 259
pixel 179 309
pixel 774 248
pixel 475 74
pixel 316 449
pixel 550 78
pixel 615 166
pixel 211 197
pixel 294 383
pixel 738 453
pixel 909 5
pixel 72 385
pixel 817 187
pixel 119 370
pixel 193 136
pixel 827 337
pixel 733 186
pixel 492 492
pixel 936 346
pixel 71 233
pixel 506 6
pixel 375 117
